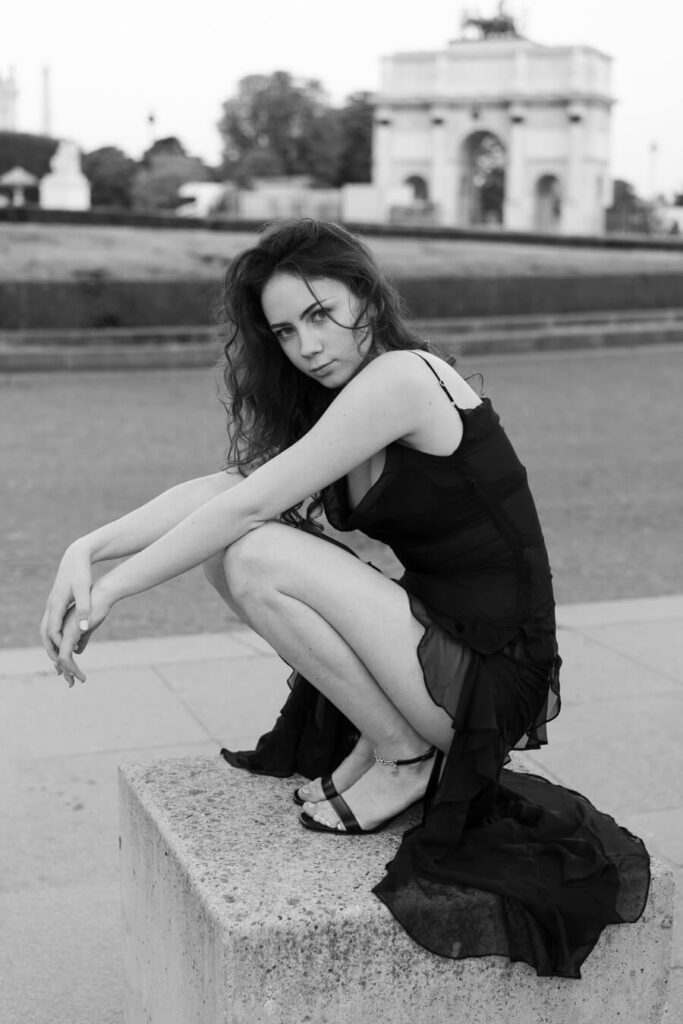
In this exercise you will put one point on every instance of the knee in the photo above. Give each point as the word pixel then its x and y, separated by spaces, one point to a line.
pixel 248 565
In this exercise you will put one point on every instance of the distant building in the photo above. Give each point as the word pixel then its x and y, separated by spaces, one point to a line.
pixel 37 169
pixel 292 196
pixel 494 130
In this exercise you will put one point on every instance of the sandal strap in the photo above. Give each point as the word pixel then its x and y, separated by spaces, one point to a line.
pixel 389 763
pixel 328 787
pixel 345 814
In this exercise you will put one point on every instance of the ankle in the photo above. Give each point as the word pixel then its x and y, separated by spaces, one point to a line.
pixel 419 762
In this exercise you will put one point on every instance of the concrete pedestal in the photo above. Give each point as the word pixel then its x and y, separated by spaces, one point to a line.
pixel 234 914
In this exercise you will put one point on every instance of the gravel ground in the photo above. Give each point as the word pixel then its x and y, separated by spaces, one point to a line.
pixel 45 252
pixel 599 433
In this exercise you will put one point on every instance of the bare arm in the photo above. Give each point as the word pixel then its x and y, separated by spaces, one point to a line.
pixel 125 536
pixel 383 403
pixel 141 527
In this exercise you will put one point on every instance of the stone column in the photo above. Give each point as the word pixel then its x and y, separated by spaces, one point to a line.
pixel 381 149
pixel 573 198
pixel 442 187
pixel 516 216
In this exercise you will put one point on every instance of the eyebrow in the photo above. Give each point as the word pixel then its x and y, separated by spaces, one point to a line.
pixel 314 305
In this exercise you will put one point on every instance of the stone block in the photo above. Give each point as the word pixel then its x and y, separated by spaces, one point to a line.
pixel 234 914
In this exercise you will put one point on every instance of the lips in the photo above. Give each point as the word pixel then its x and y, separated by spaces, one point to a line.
pixel 319 369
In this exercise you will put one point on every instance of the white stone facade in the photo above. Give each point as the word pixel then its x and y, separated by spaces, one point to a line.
pixel 288 197
pixel 544 110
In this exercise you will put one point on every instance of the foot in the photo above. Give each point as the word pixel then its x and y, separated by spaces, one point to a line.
pixel 377 796
pixel 348 772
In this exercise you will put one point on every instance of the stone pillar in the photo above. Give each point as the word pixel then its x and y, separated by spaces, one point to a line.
pixel 381 149
pixel 573 193
pixel 516 212
pixel 442 187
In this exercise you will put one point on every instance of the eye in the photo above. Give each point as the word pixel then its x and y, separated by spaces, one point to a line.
pixel 284 333
pixel 320 314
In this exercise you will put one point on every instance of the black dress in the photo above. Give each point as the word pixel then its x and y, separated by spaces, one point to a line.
pixel 503 863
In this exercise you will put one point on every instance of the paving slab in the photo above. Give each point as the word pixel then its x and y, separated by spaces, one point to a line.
pixel 623 755
pixel 234 697
pixel 655 645
pixel 604 613
pixel 592 670
pixel 113 710
pixel 167 650
pixel 60 817
pixel 61 959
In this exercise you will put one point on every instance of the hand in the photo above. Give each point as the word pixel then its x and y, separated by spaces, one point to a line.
pixel 71 589
pixel 75 640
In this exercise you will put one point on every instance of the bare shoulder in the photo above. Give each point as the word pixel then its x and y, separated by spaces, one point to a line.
pixel 463 393
pixel 404 369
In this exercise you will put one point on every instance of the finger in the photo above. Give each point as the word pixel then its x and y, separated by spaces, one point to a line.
pixel 81 594
pixel 50 649
pixel 66 661
pixel 82 643
pixel 70 670
pixel 55 624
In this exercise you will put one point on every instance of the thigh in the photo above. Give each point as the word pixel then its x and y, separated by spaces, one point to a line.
pixel 370 612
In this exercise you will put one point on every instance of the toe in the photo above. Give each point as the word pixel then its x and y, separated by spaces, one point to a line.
pixel 324 814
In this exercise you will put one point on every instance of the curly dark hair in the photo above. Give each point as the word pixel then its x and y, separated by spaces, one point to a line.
pixel 269 403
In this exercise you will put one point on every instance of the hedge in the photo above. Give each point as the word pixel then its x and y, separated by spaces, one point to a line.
pixel 98 302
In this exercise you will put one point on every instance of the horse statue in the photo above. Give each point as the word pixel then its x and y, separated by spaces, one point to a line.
pixel 500 26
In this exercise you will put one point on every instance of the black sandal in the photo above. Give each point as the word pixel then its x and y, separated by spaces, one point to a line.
pixel 328 786
pixel 346 816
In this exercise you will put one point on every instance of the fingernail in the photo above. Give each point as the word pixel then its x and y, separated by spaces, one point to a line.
pixel 83 625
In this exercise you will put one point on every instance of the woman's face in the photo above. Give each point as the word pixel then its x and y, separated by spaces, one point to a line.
pixel 313 324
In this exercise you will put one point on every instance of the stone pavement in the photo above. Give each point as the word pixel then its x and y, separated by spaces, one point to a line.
pixel 617 741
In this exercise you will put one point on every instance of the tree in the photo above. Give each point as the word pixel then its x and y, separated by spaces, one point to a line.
pixel 22 149
pixel 628 212
pixel 110 173
pixel 168 146
pixel 355 121
pixel 165 166
pixel 276 125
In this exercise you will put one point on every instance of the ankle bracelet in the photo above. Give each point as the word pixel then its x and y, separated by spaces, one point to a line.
pixel 394 765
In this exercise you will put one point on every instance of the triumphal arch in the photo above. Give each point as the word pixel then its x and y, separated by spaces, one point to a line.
pixel 494 130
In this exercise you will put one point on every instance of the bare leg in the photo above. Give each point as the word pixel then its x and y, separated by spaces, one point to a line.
pixel 359 759
pixel 355 639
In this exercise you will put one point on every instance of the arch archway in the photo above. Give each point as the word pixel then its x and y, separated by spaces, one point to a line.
pixel 483 179
pixel 548 203
pixel 419 186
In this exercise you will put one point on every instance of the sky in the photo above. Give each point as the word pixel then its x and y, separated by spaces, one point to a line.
pixel 113 64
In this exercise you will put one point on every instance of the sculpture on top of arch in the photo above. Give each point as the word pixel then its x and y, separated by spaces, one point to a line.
pixel 500 26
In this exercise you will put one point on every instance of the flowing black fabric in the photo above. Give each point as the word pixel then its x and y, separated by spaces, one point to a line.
pixel 503 863
pixel 310 737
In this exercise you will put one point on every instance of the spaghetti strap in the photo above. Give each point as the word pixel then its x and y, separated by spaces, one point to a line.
pixel 441 383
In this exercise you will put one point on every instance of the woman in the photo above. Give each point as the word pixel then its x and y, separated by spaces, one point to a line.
pixel 331 394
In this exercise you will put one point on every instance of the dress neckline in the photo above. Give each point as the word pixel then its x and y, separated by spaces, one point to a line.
pixel 467 417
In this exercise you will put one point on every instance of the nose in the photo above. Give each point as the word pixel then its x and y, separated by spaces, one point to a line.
pixel 310 344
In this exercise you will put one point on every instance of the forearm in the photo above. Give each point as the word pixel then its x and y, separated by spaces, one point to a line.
pixel 144 525
pixel 206 531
